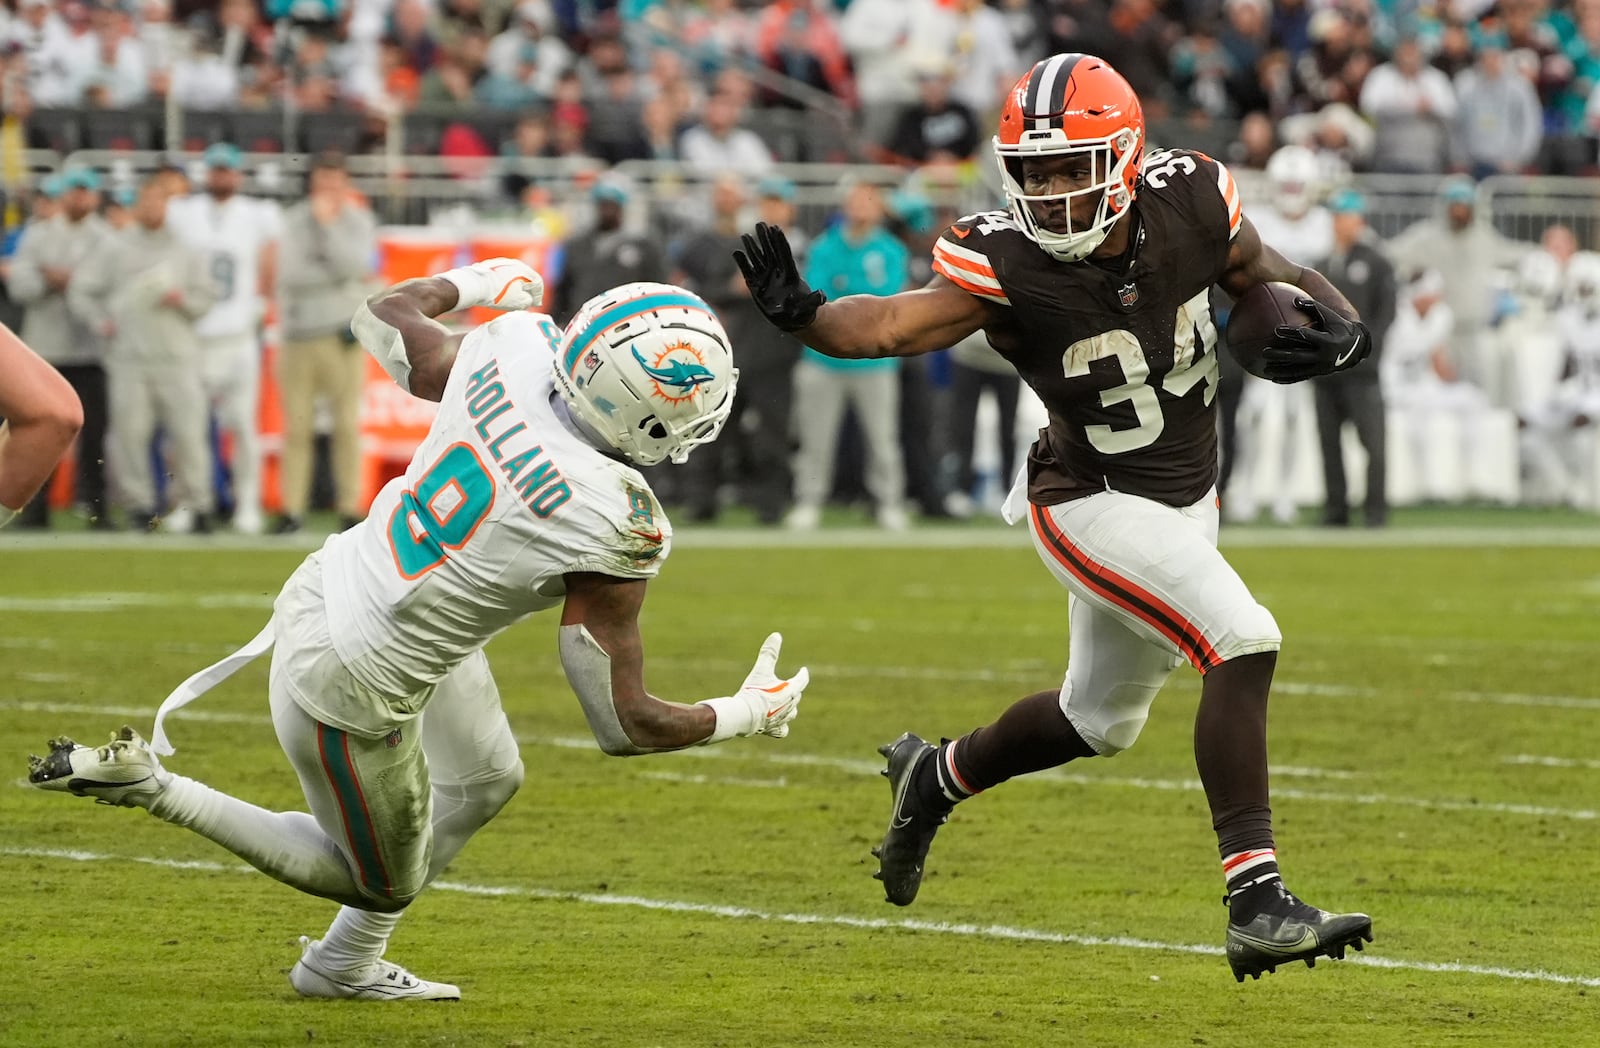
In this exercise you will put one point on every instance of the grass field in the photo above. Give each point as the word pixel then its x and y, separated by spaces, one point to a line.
pixel 1436 738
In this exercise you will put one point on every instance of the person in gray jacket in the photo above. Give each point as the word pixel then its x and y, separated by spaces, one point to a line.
pixel 48 257
pixel 325 257
pixel 144 290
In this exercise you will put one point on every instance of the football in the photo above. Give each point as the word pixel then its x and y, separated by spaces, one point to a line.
pixel 1255 318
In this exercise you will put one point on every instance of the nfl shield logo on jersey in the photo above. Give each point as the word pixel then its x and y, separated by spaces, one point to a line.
pixel 1128 294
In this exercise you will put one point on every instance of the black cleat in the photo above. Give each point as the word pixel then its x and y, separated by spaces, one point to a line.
pixel 1288 930
pixel 911 825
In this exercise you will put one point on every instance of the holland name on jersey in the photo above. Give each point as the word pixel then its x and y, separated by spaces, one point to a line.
pixel 535 477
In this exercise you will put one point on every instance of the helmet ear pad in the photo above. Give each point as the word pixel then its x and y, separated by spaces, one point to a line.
pixel 649 368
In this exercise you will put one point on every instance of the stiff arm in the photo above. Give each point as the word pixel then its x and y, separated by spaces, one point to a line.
pixel 42 417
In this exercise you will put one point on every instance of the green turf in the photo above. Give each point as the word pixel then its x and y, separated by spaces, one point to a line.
pixel 1409 677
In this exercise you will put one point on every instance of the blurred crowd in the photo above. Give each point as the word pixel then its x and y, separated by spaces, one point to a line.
pixel 1486 387
pixel 1482 86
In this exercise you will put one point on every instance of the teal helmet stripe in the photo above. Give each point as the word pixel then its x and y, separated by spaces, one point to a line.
pixel 624 311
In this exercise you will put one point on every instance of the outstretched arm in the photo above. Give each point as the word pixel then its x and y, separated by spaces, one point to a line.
pixel 933 317
pixel 42 416
pixel 603 656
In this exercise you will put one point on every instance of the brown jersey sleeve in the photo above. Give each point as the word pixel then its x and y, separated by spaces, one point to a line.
pixel 961 256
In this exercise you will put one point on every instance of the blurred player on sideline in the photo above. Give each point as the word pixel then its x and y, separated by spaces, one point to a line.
pixel 525 496
pixel 240 234
pixel 39 417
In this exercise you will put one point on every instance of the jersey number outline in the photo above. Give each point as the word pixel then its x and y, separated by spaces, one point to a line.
pixel 1170 164
pixel 222 274
pixel 442 512
pixel 1193 361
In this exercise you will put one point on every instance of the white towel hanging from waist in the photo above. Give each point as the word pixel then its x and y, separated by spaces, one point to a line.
pixel 205 680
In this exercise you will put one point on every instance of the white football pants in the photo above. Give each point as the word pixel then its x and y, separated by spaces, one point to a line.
pixel 1148 591
pixel 231 371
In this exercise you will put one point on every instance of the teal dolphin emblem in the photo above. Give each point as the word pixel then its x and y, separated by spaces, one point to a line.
pixel 680 374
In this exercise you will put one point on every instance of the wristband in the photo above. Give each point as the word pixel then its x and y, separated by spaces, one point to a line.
pixel 733 719
pixel 471 286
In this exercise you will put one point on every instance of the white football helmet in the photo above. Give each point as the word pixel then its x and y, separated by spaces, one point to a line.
pixel 649 368
pixel 1296 178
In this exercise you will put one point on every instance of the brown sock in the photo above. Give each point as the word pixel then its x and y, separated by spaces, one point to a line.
pixel 1230 751
pixel 1032 735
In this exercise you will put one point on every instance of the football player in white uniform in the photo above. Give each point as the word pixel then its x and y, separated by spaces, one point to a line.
pixel 523 497
pixel 1298 228
pixel 240 236
pixel 1560 439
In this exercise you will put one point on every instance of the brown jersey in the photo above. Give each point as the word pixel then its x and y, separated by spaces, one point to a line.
pixel 1124 358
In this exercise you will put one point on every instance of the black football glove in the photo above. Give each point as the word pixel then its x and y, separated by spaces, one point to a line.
pixel 1329 344
pixel 769 271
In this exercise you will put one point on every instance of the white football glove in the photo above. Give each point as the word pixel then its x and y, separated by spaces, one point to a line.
pixel 765 703
pixel 507 284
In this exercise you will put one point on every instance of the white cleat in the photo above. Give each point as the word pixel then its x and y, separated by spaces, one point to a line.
pixel 123 772
pixel 380 980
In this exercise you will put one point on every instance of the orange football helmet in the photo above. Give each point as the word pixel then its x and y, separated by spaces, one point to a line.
pixel 1072 104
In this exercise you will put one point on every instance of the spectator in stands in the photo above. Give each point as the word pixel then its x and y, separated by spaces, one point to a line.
pixel 118 208
pixel 1075 25
pixel 312 72
pixel 1330 69
pixel 716 34
pixel 754 448
pixel 329 243
pixel 976 41
pixel 1413 107
pixel 719 144
pixel 1470 257
pixel 800 40
pixel 670 80
pixel 1256 143
pixel 143 290
pixel 113 66
pixel 204 78
pixel 1358 268
pixel 937 129
pixel 658 126
pixel 49 257
pixel 529 50
pixel 411 32
pixel 449 84
pixel 1452 54
pixel 858 256
pixel 1561 440
pixel 1501 124
pixel 605 255
pixel 1535 48
pixel 877 34
pixel 1245 37
pixel 49 48
pixel 616 131
pixel 1203 71
pixel 1583 52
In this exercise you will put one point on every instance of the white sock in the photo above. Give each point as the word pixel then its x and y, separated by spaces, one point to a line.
pixel 288 846
pixel 358 937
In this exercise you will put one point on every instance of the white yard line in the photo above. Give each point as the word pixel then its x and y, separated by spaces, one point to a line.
pixel 854 766
pixel 930 537
pixel 1000 932
pixel 1550 762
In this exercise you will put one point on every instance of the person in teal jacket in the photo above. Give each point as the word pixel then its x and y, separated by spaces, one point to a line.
pixel 857 256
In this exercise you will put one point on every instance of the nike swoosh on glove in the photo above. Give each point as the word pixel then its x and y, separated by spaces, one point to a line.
pixel 1329 344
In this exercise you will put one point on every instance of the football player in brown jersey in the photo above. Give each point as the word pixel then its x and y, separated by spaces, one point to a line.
pixel 1094 285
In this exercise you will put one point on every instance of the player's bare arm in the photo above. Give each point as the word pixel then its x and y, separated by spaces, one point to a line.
pixel 42 416
pixel 1251 262
pixel 603 656
pixel 857 326
pixel 398 326
pixel 1336 340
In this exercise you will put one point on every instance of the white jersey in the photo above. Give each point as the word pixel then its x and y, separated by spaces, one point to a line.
pixel 501 501
pixel 1307 240
pixel 232 234
pixel 1406 366
pixel 1579 327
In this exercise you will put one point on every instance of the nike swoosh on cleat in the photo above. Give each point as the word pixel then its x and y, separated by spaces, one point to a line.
pixel 79 785
pixel 1307 940
pixel 898 823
